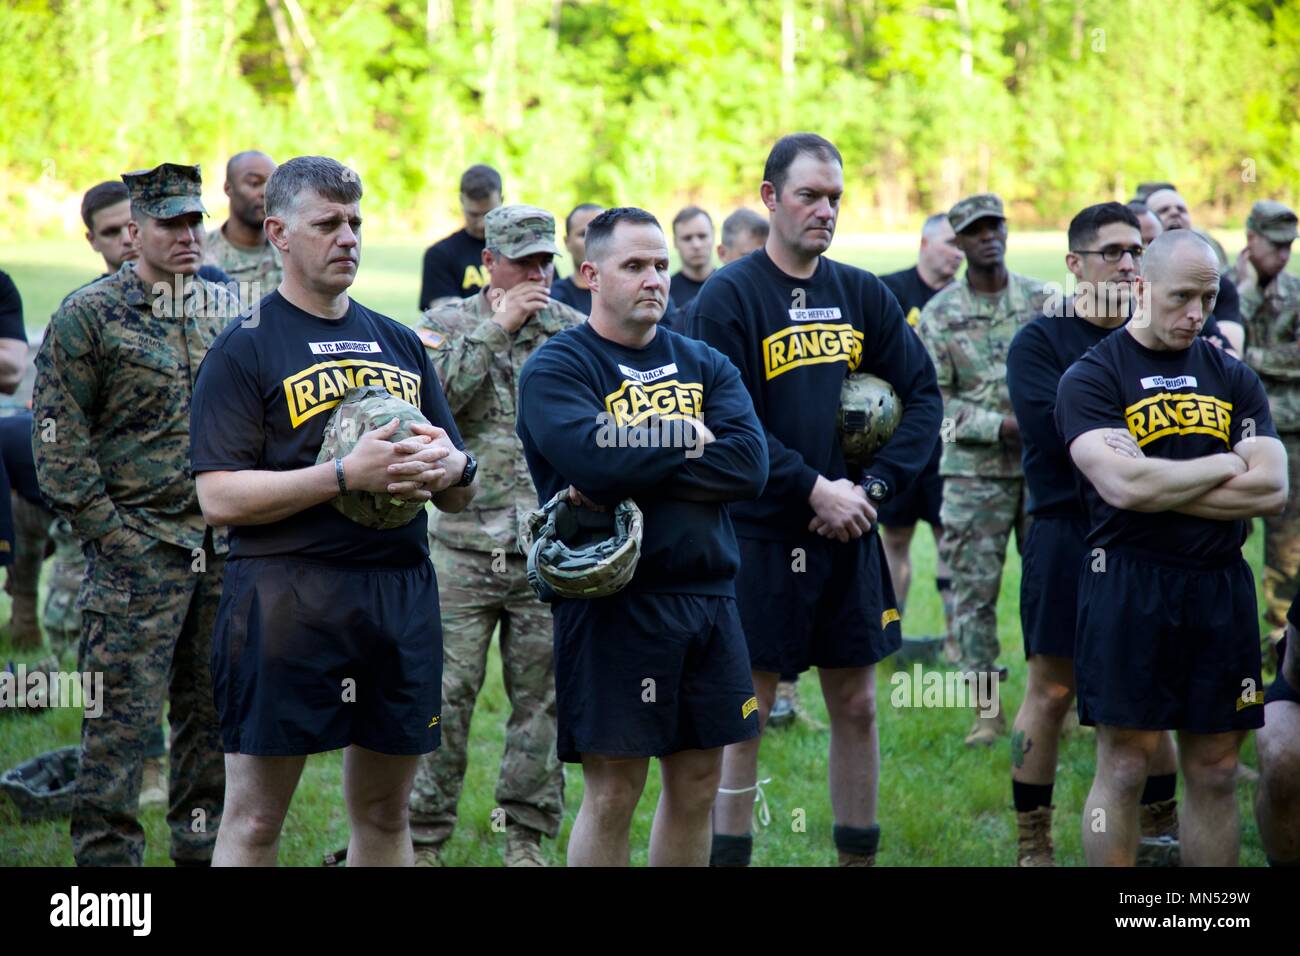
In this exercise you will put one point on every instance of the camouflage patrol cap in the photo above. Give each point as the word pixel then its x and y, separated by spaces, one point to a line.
pixel 1272 220
pixel 869 413
pixel 518 231
pixel 166 191
pixel 361 410
pixel 973 208
pixel 577 552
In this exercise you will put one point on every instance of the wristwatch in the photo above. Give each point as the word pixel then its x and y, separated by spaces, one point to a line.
pixel 471 469
pixel 877 489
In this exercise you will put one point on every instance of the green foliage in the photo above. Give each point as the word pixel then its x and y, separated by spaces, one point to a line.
pixel 1054 103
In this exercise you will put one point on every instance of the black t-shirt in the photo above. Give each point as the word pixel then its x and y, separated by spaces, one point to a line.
pixel 683 288
pixel 1039 355
pixel 1176 404
pixel 567 291
pixel 263 395
pixel 452 267
pixel 11 310
pixel 579 388
pixel 911 292
pixel 794 341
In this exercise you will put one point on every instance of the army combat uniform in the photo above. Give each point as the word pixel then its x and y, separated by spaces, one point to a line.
pixel 258 271
pixel 1271 315
pixel 482 575
pixel 967 335
pixel 114 377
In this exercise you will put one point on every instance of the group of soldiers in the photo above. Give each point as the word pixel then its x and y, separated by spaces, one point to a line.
pixel 132 527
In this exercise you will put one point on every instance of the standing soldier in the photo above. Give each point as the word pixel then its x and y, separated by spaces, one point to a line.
pixel 240 246
pixel 967 329
pixel 1270 310
pixel 111 441
pixel 478 345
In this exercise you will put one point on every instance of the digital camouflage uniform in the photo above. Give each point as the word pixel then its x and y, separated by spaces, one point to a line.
pixel 60 616
pixel 1271 316
pixel 258 271
pixel 967 335
pixel 114 378
pixel 482 577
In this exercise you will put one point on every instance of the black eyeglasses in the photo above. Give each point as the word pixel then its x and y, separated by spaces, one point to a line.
pixel 1111 253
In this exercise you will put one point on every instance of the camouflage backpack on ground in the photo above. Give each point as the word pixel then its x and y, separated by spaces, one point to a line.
pixel 869 413
pixel 42 788
pixel 361 410
pixel 575 552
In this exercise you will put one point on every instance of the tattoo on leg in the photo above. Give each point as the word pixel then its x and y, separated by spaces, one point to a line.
pixel 1020 745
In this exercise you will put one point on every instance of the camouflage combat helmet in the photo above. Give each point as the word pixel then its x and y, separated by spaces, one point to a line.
pixel 869 413
pixel 42 788
pixel 361 410
pixel 575 552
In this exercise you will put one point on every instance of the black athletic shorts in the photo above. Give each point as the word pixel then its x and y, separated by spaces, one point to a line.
pixel 1161 646
pixel 1280 689
pixel 1055 549
pixel 812 602
pixel 17 473
pixel 309 657
pixel 918 501
pixel 647 675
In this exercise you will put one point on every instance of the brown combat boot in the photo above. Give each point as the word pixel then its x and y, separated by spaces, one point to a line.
pixel 24 626
pixel 1034 830
pixel 986 730
pixel 1158 845
pixel 856 859
pixel 523 847
pixel 428 854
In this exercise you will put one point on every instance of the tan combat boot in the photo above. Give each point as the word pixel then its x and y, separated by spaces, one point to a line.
pixel 1034 829
pixel 153 786
pixel 856 859
pixel 1158 845
pixel 428 854
pixel 523 847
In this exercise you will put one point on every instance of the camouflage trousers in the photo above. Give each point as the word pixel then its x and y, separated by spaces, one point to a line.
pixel 61 619
pixel 147 618
pixel 1282 544
pixel 978 517
pixel 478 592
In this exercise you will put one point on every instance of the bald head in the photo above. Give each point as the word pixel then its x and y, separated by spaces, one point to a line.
pixel 1178 251
pixel 1178 288
pixel 246 176
pixel 1170 208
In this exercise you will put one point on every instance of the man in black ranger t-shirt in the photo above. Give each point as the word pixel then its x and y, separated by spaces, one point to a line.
pixel 936 265
pixel 453 267
pixel 327 635
pixel 1277 802
pixel 615 408
pixel 1177 451
pixel 813 587
pixel 1105 253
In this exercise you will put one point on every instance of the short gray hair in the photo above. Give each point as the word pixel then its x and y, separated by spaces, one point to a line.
pixel 324 176
pixel 933 223
pixel 746 222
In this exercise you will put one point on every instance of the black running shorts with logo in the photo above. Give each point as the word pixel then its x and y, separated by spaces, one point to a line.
pixel 1161 646
pixel 1280 689
pixel 814 602
pixel 642 674
pixel 1055 549
pixel 309 657
pixel 918 501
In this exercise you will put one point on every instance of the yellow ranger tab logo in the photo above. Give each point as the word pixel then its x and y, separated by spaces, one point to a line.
pixel 434 720
pixel 889 616
pixel 634 402
pixel 748 707
pixel 1187 413
pixel 811 344
pixel 914 317
pixel 321 387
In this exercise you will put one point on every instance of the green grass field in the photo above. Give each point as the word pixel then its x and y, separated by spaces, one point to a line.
pixel 940 804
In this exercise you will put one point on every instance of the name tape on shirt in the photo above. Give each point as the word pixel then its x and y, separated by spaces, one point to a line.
pixel 651 375
pixel 1187 413
pixel 815 315
pixel 632 402
pixel 1159 381
pixel 321 387
pixel 798 345
pixel 334 348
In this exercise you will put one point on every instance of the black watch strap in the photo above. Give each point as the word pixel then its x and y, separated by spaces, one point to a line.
pixel 471 469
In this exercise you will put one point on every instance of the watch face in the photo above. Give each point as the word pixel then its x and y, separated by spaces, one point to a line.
pixel 876 489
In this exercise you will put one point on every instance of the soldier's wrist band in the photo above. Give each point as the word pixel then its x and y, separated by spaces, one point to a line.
pixel 338 472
